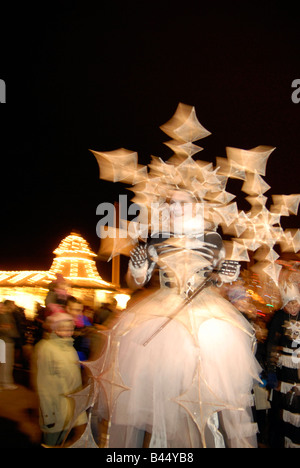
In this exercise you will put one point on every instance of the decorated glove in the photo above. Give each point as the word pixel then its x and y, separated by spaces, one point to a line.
pixel 230 270
pixel 138 264
pixel 138 256
pixel 142 262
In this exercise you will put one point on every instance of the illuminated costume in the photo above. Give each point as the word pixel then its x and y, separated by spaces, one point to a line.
pixel 179 365
pixel 177 376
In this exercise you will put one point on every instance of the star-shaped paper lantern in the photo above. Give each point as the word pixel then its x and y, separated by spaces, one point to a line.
pixel 255 185
pixel 288 203
pixel 184 125
pixel 290 241
pixel 111 160
pixel 182 150
pixel 253 160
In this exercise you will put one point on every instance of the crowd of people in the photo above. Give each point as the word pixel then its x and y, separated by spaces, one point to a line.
pixel 64 333
pixel 51 349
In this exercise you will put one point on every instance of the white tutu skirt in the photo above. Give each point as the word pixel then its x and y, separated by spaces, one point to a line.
pixel 188 385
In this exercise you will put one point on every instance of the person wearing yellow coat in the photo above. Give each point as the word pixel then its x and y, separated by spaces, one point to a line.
pixel 58 375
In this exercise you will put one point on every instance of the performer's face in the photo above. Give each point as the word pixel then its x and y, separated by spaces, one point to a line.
pixel 293 307
pixel 177 203
pixel 185 215
pixel 74 309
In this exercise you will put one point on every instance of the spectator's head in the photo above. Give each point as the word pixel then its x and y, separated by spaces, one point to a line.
pixel 74 307
pixel 62 324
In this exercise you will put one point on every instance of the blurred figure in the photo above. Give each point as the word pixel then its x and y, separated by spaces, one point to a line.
pixel 239 297
pixel 52 309
pixel 39 319
pixel 57 375
pixel 102 316
pixel 58 291
pixel 88 312
pixel 283 346
pixel 242 300
pixel 21 324
pixel 8 333
pixel 83 328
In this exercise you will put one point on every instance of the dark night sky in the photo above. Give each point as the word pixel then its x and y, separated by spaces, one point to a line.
pixel 82 77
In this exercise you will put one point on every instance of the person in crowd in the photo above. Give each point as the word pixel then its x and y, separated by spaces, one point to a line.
pixel 52 309
pixel 106 316
pixel 8 335
pixel 58 374
pixel 21 324
pixel 101 314
pixel 39 319
pixel 88 312
pixel 58 291
pixel 283 348
pixel 83 328
pixel 242 300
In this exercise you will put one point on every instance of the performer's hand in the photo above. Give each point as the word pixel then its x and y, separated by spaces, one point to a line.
pixel 230 270
pixel 138 256
pixel 138 266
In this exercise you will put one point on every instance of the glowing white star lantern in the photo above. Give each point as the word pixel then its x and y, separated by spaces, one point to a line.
pixel 290 242
pixel 253 160
pixel 236 251
pixel 259 200
pixel 129 175
pixel 230 170
pixel 273 271
pixel 182 149
pixel 255 184
pixel 159 168
pixel 292 203
pixel 220 197
pixel 251 243
pixel 188 170
pixel 266 254
pixel 198 189
pixel 184 125
pixel 110 161
pixel 212 180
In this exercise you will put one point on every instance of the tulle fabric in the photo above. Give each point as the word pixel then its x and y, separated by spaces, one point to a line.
pixel 188 385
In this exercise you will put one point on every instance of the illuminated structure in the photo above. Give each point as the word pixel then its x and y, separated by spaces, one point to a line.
pixel 75 261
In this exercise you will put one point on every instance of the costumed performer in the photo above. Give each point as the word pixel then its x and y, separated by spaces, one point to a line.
pixel 183 356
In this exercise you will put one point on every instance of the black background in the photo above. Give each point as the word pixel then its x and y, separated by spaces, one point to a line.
pixel 105 75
